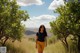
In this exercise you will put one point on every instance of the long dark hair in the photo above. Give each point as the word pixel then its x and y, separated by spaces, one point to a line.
pixel 44 29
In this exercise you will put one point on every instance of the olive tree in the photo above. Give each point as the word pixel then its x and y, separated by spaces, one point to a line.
pixel 10 21
pixel 68 21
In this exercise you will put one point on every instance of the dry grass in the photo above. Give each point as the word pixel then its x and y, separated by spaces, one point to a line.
pixel 55 48
pixel 25 46
pixel 28 46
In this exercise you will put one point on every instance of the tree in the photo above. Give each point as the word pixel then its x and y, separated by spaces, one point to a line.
pixel 10 21
pixel 68 21
pixel 59 28
pixel 75 21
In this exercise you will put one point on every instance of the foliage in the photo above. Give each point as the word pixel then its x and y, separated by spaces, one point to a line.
pixel 68 22
pixel 10 20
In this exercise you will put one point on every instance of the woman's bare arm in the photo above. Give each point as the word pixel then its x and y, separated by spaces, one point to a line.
pixel 46 41
pixel 36 41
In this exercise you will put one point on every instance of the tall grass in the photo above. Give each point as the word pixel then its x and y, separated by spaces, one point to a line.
pixel 55 48
pixel 27 45
pixel 72 46
pixel 59 48
pixel 52 39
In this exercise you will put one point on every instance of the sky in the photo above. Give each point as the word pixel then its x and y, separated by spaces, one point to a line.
pixel 40 11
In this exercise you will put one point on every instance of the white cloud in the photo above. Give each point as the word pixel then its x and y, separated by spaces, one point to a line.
pixel 29 2
pixel 44 17
pixel 37 21
pixel 55 4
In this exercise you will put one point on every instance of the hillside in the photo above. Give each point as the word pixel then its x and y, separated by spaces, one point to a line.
pixel 33 31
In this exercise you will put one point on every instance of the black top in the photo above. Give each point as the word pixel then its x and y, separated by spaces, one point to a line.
pixel 41 36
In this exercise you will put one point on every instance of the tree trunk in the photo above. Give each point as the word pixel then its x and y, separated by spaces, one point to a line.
pixel 78 44
pixel 65 43
pixel 5 41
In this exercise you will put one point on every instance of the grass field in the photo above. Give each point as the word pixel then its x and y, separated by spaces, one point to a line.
pixel 27 45
pixel 55 48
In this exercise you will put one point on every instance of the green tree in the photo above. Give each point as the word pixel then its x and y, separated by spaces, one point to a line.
pixel 10 21
pixel 60 29
pixel 75 20
pixel 68 21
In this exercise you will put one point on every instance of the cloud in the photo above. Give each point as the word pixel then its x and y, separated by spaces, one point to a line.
pixel 37 21
pixel 55 4
pixel 29 2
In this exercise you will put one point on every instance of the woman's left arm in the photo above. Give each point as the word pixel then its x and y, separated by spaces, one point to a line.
pixel 46 41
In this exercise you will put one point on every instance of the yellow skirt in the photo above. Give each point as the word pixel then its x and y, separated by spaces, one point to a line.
pixel 40 45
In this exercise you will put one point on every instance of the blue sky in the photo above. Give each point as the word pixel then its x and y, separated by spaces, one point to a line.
pixel 40 11
pixel 36 10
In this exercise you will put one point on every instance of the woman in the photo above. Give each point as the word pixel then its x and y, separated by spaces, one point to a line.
pixel 41 41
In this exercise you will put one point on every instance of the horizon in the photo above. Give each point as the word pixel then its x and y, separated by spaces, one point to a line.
pixel 35 28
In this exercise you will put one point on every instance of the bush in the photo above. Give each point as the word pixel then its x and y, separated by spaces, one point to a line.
pixel 52 39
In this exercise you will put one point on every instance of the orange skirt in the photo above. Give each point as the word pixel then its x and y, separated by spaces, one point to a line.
pixel 40 45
